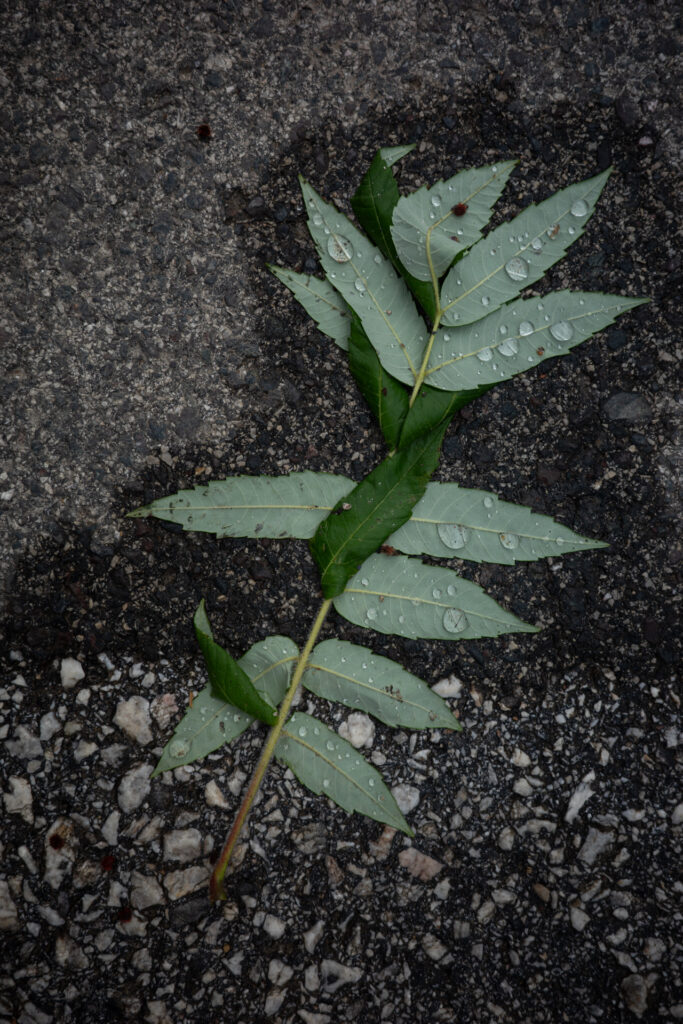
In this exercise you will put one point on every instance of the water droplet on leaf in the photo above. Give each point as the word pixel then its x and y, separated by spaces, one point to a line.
pixel 453 535
pixel 562 331
pixel 178 748
pixel 485 354
pixel 517 269
pixel 526 328
pixel 359 284
pixel 455 620
pixel 510 541
pixel 509 347
pixel 339 248
pixel 579 208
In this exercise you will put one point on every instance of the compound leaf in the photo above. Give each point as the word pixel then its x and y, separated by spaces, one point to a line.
pixel 395 594
pixel 325 763
pixel 456 522
pixel 321 301
pixel 432 225
pixel 519 336
pixel 210 721
pixel 370 285
pixel 354 676
pixel 228 678
pixel 386 396
pixel 253 506
pixel 518 253
pixel 376 507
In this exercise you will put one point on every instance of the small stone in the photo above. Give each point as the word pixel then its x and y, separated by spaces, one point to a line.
pixel 629 407
pixel 213 795
pixel 501 897
pixel 654 949
pixel 9 920
pixel 60 852
pixel 279 973
pixel 312 978
pixel 182 844
pixel 334 975
pixel 677 815
pixel 359 730
pixel 523 787
pixel 273 1002
pixel 163 709
pixel 407 797
pixel 274 926
pixel 595 844
pixel 381 848
pixel 19 799
pixel 134 787
pixel 449 687
pixel 419 864
pixel 634 992
pixel 24 745
pixel 520 759
pixel 433 947
pixel 581 794
pixel 132 716
pixel 486 911
pixel 542 891
pixel 181 883
pixel 579 918
pixel 461 930
pixel 145 891
pixel 506 838
pixel 69 954
pixel 110 829
pixel 49 725
pixel 313 935
pixel 71 673
pixel 83 750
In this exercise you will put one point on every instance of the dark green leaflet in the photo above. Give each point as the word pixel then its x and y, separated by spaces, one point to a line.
pixel 387 397
pixel 373 205
pixel 377 506
pixel 229 681
pixel 432 407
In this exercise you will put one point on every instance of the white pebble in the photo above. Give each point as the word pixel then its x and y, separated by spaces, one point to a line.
pixel 132 716
pixel 407 797
pixel 19 799
pixel 110 829
pixel 182 844
pixel 581 794
pixel 677 815
pixel 520 759
pixel 359 730
pixel 134 787
pixel 313 935
pixel 71 672
pixel 506 838
pixel 49 725
pixel 273 926
pixel 449 687
pixel 213 795
pixel 579 918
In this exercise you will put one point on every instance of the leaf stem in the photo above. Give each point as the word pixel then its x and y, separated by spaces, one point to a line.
pixel 216 889
pixel 419 380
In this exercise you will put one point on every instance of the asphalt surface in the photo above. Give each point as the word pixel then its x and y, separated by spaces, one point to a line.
pixel 144 347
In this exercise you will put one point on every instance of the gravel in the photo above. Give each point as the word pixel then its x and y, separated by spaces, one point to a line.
pixel 144 348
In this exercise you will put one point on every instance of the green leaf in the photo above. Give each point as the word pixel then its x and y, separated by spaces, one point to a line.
pixel 228 679
pixel 370 285
pixel 253 506
pixel 518 253
pixel 376 507
pixel 354 676
pixel 519 336
pixel 327 764
pixel 211 722
pixel 321 301
pixel 456 522
pixel 395 594
pixel 428 228
pixel 432 407
pixel 387 398
pixel 373 205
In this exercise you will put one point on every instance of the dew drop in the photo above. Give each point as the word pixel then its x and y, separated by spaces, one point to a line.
pixel 339 248
pixel 179 748
pixel 364 582
pixel 485 354
pixel 436 593
pixel 502 329
pixel 302 731
pixel 317 219
pixel 446 336
pixel 579 208
pixel 378 259
pixel 493 252
pixel 526 328
pixel 455 620
pixel 371 614
pixel 359 284
pixel 436 200
pixel 571 230
pixel 450 590
pixel 326 783
pixel 537 245
pixel 488 501
pixel 510 541
pixel 371 782
pixel 517 269
pixel 453 535
pixel 401 619
pixel 329 745
pixel 562 331
pixel 485 300
pixel 509 347
pixel 552 231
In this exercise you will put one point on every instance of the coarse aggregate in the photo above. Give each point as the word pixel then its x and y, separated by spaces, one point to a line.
pixel 145 348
